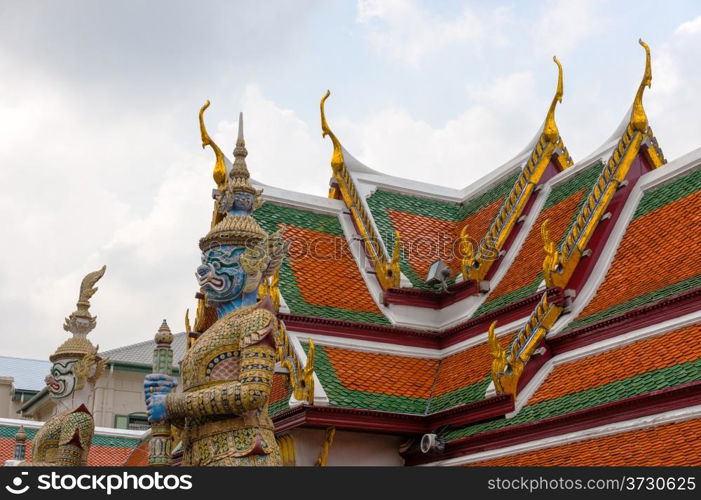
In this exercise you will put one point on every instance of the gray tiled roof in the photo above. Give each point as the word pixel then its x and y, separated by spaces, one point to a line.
pixel 142 352
pixel 29 374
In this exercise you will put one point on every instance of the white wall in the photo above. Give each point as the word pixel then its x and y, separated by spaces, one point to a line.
pixel 348 448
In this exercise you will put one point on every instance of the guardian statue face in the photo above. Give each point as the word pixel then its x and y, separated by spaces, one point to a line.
pixel 243 201
pixel 221 275
pixel 62 381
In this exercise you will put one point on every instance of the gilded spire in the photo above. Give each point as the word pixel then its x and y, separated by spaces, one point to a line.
pixel 638 118
pixel 240 152
pixel 239 178
pixel 219 166
pixel 337 157
pixel 550 130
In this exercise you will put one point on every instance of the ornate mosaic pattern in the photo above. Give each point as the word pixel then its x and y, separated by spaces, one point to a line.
pixel 63 440
pixel 225 420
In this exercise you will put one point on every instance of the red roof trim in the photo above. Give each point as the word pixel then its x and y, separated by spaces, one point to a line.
pixel 649 314
pixel 413 337
pixel 391 423
pixel 673 398
pixel 361 331
pixel 429 299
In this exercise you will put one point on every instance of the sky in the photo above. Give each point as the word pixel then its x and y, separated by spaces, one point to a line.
pixel 100 155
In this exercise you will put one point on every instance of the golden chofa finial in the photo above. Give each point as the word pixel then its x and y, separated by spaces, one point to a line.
pixel 550 130
pixel 219 167
pixel 638 118
pixel 337 158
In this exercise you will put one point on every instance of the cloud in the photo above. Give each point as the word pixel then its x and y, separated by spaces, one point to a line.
pixel 464 149
pixel 564 24
pixel 672 104
pixel 692 27
pixel 123 192
pixel 283 150
pixel 101 161
pixel 403 30
pixel 75 188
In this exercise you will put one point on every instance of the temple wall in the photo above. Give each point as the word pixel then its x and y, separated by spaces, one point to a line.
pixel 348 448
pixel 118 393
pixel 6 404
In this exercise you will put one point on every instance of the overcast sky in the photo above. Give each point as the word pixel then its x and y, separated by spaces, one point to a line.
pixel 99 144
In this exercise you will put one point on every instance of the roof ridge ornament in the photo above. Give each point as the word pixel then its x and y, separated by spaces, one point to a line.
pixel 337 159
pixel 238 186
pixel 638 118
pixel 637 138
pixel 219 173
pixel 550 130
pixel 549 148
pixel 343 187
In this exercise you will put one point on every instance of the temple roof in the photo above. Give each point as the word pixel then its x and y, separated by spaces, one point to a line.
pixel 110 447
pixel 571 300
pixel 141 353
pixel 28 374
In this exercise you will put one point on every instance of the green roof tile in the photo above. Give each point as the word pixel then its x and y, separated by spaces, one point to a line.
pixel 341 396
pixel 271 217
pixel 607 393
pixel 667 193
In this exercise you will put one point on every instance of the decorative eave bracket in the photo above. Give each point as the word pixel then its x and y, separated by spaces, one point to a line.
pixel 508 364
pixel 301 376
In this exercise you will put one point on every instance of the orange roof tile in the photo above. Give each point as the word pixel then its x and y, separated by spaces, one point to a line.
pixel 281 387
pixel 139 455
pixel 108 455
pixel 649 259
pixel 634 359
pixel 98 455
pixel 529 261
pixel 426 239
pixel 383 373
pixel 326 272
pixel 466 367
pixel 674 444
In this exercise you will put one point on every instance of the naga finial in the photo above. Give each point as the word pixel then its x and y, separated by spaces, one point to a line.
pixel 550 130
pixel 219 167
pixel 638 118
pixel 337 157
